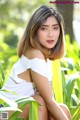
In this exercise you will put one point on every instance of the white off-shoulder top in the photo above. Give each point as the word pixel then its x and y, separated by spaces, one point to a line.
pixel 21 86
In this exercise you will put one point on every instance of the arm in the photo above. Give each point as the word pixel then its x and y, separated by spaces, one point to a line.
pixel 45 91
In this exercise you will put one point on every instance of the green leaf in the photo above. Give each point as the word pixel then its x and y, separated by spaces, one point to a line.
pixel 10 91
pixel 3 76
pixel 70 84
pixel 22 102
pixel 7 102
pixel 33 114
pixel 76 114
pixel 57 81
pixel 75 99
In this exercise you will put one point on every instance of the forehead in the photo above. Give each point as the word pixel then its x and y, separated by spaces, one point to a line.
pixel 50 20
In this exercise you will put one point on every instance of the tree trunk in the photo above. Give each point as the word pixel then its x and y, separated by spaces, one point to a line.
pixel 67 12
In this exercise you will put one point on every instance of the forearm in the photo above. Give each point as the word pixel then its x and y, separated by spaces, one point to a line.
pixel 56 111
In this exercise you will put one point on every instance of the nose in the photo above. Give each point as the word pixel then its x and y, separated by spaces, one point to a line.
pixel 50 33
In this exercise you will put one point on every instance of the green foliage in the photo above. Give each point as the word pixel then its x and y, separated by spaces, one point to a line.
pixel 22 102
pixel 73 51
pixel 8 56
pixel 11 39
pixel 57 81
pixel 70 71
pixel 2 76
pixel 71 78
pixel 76 114
pixel 33 114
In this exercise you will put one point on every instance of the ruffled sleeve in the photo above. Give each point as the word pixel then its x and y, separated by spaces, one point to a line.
pixel 37 65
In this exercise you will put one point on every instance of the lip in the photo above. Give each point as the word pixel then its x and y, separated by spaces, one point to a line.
pixel 50 41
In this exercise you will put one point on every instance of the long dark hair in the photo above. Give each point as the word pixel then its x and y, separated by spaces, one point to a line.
pixel 30 39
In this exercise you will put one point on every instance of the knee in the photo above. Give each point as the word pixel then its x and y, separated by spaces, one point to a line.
pixel 43 107
pixel 25 112
pixel 39 99
pixel 43 110
pixel 64 107
pixel 66 110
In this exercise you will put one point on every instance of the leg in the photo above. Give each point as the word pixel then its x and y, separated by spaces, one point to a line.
pixel 65 110
pixel 43 113
pixel 23 114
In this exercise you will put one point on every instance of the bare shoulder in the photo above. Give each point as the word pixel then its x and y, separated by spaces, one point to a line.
pixel 34 53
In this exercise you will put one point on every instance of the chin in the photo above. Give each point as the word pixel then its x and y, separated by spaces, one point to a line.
pixel 50 47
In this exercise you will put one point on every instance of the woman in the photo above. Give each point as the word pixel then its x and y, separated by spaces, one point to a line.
pixel 42 41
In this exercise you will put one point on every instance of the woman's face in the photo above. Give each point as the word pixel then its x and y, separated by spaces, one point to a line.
pixel 48 33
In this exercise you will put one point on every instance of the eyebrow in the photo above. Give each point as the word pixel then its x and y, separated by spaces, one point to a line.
pixel 48 25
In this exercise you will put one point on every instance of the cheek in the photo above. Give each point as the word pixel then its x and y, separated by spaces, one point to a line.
pixel 41 36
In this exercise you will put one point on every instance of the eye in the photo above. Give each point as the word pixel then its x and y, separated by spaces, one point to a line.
pixel 56 28
pixel 43 28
